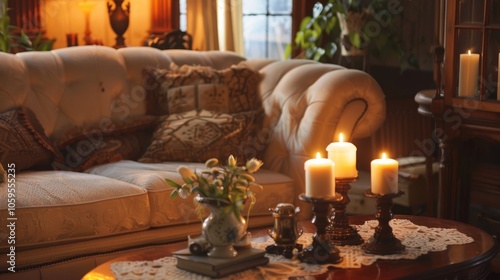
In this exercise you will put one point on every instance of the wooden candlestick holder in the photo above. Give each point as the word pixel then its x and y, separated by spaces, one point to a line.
pixel 383 241
pixel 322 250
pixel 339 230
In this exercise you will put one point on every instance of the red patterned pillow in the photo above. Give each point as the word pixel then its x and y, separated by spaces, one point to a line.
pixel 185 88
pixel 199 135
pixel 83 148
pixel 23 141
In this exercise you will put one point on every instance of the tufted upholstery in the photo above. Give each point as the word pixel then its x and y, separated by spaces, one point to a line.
pixel 105 83
pixel 306 105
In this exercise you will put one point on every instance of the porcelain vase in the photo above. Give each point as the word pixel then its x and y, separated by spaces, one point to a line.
pixel 222 228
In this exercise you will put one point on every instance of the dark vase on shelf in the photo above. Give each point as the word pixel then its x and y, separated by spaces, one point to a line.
pixel 119 15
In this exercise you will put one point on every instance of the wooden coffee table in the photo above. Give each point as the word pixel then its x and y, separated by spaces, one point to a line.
pixel 469 261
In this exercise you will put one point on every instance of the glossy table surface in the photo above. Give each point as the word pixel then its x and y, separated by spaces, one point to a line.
pixel 469 261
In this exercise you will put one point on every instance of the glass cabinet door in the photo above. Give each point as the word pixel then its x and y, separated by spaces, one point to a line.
pixel 476 49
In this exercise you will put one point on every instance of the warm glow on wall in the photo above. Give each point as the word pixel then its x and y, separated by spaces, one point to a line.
pixel 61 17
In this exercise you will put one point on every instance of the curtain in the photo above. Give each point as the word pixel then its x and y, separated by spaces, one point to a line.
pixel 202 24
pixel 216 24
pixel 233 33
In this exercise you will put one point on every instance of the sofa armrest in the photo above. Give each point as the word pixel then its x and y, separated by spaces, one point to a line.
pixel 307 104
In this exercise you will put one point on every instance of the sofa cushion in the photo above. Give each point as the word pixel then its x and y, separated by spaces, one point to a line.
pixel 169 211
pixel 197 136
pixel 84 147
pixel 185 88
pixel 54 207
pixel 23 141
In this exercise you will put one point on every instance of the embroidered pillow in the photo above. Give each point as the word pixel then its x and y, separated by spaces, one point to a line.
pixel 83 148
pixel 23 141
pixel 199 135
pixel 186 88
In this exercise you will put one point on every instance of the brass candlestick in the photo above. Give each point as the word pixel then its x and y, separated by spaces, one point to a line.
pixel 339 230
pixel 322 250
pixel 383 241
pixel 284 232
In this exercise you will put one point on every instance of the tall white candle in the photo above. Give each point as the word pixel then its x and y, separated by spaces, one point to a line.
pixel 468 74
pixel 320 177
pixel 498 84
pixel 343 154
pixel 384 175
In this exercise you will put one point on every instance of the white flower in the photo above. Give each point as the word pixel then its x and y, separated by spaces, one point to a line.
pixel 231 161
pixel 212 162
pixel 187 174
pixel 253 165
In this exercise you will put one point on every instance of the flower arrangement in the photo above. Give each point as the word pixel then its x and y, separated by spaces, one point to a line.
pixel 229 183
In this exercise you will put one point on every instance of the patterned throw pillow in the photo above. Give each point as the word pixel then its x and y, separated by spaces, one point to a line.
pixel 185 88
pixel 83 148
pixel 23 141
pixel 199 135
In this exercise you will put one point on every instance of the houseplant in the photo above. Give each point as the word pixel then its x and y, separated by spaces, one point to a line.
pixel 223 189
pixel 358 27
pixel 13 39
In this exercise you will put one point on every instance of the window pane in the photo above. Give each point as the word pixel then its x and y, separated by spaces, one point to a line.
pixel 183 20
pixel 254 36
pixel 495 12
pixel 280 7
pixel 471 11
pixel 279 35
pixel 255 6
pixel 182 6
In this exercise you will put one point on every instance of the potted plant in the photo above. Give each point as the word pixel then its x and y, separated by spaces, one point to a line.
pixel 13 39
pixel 224 191
pixel 358 27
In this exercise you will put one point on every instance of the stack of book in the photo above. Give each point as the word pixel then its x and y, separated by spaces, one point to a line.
pixel 220 267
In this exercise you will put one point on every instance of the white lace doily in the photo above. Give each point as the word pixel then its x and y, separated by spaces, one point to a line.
pixel 418 240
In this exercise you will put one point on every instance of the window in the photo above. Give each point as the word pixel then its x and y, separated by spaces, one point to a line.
pixel 267 26
pixel 182 14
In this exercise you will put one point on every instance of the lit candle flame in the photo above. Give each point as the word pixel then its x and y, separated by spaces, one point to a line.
pixel 341 137
pixel 469 52
pixel 318 155
pixel 384 156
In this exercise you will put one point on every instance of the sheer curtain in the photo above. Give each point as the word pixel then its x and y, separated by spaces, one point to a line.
pixel 215 24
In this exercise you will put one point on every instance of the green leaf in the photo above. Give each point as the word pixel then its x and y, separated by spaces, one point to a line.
pixel 173 184
pixel 330 49
pixel 355 39
pixel 306 23
pixel 330 26
pixel 174 193
pixel 288 52
pixel 318 54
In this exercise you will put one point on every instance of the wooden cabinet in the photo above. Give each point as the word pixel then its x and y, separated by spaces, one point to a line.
pixel 467 111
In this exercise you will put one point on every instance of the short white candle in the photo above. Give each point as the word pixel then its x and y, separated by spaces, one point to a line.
pixel 343 154
pixel 468 74
pixel 384 175
pixel 320 177
pixel 498 84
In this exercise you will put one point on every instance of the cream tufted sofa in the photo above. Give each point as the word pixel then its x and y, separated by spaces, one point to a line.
pixel 69 222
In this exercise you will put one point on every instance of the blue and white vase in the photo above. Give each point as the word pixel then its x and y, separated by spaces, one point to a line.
pixel 222 228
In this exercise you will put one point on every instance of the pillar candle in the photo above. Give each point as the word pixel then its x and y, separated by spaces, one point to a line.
pixel 384 175
pixel 320 177
pixel 343 154
pixel 468 74
pixel 498 83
